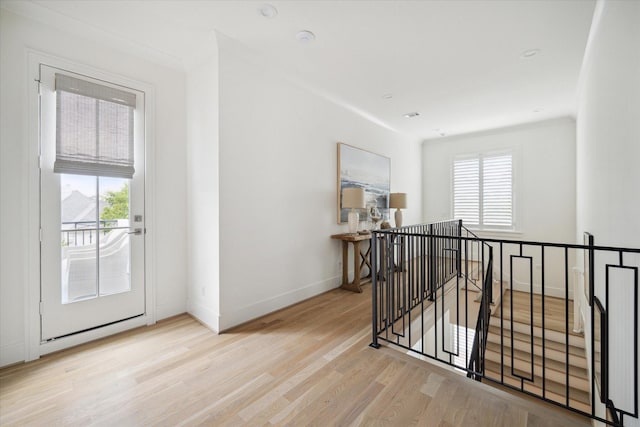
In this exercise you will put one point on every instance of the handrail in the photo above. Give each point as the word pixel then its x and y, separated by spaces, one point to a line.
pixel 476 361
pixel 523 242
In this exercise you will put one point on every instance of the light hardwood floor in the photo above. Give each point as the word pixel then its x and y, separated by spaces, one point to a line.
pixel 309 364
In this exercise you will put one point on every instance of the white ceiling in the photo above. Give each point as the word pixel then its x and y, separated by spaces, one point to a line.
pixel 457 62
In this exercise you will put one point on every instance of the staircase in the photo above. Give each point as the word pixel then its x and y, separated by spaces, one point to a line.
pixel 550 372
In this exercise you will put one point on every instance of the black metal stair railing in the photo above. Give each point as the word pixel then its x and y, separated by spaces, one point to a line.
pixel 428 266
pixel 476 360
pixel 501 311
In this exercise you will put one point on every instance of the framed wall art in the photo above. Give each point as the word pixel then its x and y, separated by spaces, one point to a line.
pixel 361 168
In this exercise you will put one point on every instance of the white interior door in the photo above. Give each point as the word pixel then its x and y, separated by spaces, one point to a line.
pixel 92 223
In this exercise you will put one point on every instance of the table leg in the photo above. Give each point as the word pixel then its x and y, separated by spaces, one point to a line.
pixel 356 265
pixel 355 285
pixel 365 260
pixel 345 263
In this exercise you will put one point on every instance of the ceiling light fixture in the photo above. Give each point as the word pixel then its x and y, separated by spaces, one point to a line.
pixel 305 36
pixel 411 115
pixel 268 11
pixel 529 53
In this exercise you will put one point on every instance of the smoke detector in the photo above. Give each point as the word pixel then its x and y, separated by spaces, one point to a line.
pixel 268 11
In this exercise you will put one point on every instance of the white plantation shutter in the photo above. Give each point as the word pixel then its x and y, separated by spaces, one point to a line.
pixel 466 190
pixel 497 195
pixel 483 190
pixel 94 129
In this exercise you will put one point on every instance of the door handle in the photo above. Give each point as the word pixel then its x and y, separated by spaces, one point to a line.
pixel 137 231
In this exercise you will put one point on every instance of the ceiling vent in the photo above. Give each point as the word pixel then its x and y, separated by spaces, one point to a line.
pixel 305 36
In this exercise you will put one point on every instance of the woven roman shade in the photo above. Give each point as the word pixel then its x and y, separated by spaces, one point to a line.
pixel 94 129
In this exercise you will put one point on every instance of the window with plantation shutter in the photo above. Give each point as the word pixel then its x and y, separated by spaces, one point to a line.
pixel 466 190
pixel 497 195
pixel 94 128
pixel 483 190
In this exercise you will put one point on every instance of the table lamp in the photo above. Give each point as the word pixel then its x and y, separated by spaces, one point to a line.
pixel 398 201
pixel 353 198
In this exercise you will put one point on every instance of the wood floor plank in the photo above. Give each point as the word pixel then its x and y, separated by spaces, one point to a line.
pixel 309 364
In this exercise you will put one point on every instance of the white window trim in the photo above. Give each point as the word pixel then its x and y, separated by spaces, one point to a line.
pixel 33 347
pixel 513 151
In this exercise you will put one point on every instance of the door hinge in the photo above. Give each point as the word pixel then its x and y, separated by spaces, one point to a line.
pixel 39 85
pixel 40 235
pixel 41 308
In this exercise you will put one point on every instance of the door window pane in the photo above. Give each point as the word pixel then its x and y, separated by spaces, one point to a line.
pixel 95 244
pixel 78 206
pixel 114 237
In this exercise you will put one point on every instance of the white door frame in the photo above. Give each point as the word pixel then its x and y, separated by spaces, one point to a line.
pixel 34 348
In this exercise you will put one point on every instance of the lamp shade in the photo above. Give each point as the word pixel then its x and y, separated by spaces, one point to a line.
pixel 353 197
pixel 398 200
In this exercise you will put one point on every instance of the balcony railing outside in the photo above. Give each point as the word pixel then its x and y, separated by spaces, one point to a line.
pixel 82 233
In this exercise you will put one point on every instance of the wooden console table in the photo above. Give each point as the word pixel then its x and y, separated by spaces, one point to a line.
pixel 364 259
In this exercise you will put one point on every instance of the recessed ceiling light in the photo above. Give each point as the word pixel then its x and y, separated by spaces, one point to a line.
pixel 536 111
pixel 387 96
pixel 529 53
pixel 411 115
pixel 305 36
pixel 268 11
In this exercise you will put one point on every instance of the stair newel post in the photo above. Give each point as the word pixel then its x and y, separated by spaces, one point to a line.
pixel 432 263
pixel 490 274
pixel 374 290
pixel 459 257
pixel 487 303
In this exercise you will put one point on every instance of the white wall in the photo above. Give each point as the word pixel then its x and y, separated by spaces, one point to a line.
pixel 16 35
pixel 203 193
pixel 608 153
pixel 278 187
pixel 544 187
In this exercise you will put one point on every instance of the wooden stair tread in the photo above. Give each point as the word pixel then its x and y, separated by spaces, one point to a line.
pixel 492 370
pixel 554 310
pixel 575 340
pixel 554 371
pixel 549 394
pixel 555 342
pixel 553 349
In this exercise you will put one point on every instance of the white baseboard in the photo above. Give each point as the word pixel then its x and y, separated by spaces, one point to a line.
pixel 204 315
pixel 252 311
pixel 164 312
pixel 11 353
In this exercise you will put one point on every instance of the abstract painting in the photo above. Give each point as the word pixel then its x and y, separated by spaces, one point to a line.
pixel 361 168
